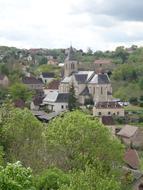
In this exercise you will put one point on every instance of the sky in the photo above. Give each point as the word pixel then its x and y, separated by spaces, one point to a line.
pixel 98 24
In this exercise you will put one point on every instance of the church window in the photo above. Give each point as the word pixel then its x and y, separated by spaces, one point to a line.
pixel 73 65
pixel 93 90
pixel 101 90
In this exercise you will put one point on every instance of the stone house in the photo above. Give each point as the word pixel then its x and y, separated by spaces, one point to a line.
pixel 52 62
pixel 108 108
pixel 4 81
pixel 56 102
pixel 131 136
pixel 105 65
pixel 33 83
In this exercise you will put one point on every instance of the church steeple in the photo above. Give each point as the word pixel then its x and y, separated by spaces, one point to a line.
pixel 71 55
pixel 71 64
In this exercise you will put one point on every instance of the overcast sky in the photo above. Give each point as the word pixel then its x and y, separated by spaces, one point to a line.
pixel 98 24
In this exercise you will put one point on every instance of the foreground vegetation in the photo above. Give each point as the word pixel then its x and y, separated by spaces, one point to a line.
pixel 72 152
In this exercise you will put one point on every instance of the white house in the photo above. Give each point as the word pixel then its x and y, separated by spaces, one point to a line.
pixel 56 102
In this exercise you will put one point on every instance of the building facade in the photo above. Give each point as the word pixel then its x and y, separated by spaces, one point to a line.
pixel 89 86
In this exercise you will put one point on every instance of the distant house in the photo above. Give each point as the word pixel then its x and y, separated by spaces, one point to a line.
pixel 47 77
pixel 108 109
pixel 56 102
pixel 4 81
pixel 52 62
pixel 103 64
pixel 131 136
pixel 33 83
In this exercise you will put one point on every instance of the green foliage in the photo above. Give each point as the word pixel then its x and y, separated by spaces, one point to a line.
pixel 72 101
pixel 22 137
pixel 121 53
pixel 16 177
pixel 52 178
pixel 48 68
pixel 77 140
pixel 20 91
pixel 91 179
pixel 43 61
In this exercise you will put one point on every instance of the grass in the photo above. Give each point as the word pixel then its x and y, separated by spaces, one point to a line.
pixel 133 108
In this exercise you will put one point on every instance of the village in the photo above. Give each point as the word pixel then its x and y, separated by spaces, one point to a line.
pixel 92 91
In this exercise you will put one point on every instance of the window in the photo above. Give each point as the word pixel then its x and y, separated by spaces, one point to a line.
pixel 62 106
pixel 117 113
pixel 99 113
pixel 93 90
pixel 109 113
pixel 101 90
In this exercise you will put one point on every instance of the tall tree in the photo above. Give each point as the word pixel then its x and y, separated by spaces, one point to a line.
pixel 20 91
pixel 72 101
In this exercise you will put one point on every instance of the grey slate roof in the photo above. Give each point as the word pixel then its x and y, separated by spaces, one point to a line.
pixel 31 80
pixel 62 97
pixel 85 92
pixel 48 75
pixel 81 78
pixel 100 79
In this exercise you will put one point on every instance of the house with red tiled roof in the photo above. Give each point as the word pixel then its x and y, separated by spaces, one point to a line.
pixel 131 136
pixel 131 158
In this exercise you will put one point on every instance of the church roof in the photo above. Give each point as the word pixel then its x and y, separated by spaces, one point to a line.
pixel 85 92
pixel 82 78
pixel 100 79
pixel 71 55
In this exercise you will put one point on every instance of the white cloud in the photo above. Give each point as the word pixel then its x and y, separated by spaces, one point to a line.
pixel 55 24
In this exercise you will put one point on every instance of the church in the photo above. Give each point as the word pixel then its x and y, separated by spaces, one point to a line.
pixel 89 86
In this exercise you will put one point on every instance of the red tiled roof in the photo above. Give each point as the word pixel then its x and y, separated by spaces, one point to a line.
pixel 107 105
pixel 54 85
pixel 131 158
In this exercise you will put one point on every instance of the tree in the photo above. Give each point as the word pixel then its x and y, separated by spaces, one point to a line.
pixel 76 140
pixel 20 91
pixel 16 177
pixel 72 101
pixel 91 178
pixel 121 53
pixel 22 137
pixel 52 178
pixel 43 61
